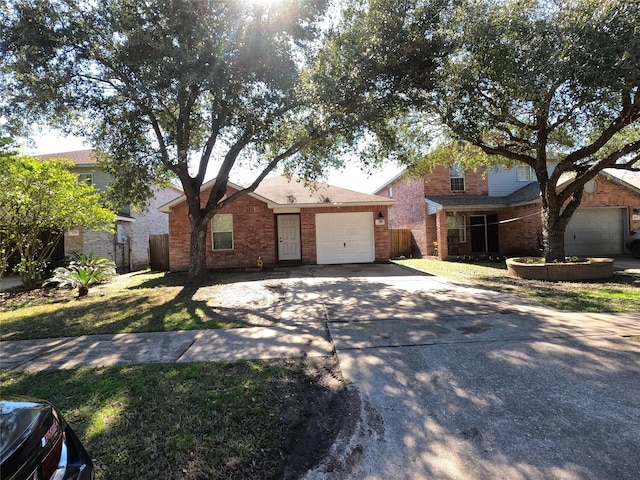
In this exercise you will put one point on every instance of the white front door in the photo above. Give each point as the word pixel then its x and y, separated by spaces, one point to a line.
pixel 289 237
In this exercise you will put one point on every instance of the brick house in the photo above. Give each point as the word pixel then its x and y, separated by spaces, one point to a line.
pixel 129 245
pixel 497 211
pixel 284 221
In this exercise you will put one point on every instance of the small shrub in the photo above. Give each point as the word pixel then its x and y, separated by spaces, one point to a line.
pixel 534 260
pixel 84 271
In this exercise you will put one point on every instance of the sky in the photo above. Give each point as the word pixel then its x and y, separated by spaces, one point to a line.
pixel 352 177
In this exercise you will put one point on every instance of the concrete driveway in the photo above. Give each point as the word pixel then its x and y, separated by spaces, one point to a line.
pixel 460 383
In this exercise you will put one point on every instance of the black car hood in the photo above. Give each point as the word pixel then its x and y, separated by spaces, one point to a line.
pixel 19 417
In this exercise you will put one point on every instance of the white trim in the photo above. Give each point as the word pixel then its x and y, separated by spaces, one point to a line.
pixel 432 207
pixel 524 173
pixel 285 210
pixel 345 237
pixel 384 185
pixel 333 204
pixel 88 176
pixel 166 208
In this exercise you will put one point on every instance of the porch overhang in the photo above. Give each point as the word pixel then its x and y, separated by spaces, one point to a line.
pixel 526 195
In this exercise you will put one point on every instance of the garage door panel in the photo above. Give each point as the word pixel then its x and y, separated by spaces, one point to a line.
pixel 345 237
pixel 595 231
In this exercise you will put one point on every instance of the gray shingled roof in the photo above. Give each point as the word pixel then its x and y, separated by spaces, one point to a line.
pixel 529 193
pixel 280 191
pixel 284 191
pixel 79 157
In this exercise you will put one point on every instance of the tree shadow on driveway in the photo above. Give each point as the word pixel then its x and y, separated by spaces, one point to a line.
pixel 469 383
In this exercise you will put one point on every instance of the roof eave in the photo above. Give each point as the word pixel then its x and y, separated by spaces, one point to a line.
pixel 389 182
pixel 387 203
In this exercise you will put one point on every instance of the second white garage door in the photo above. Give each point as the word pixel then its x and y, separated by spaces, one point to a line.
pixel 345 238
pixel 595 231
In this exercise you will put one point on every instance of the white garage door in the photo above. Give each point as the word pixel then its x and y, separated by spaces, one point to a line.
pixel 345 237
pixel 595 231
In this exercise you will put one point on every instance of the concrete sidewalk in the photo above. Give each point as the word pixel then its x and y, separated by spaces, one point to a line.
pixel 166 347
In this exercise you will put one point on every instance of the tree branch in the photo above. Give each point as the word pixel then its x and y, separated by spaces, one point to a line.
pixel 629 113
pixel 503 152
pixel 295 148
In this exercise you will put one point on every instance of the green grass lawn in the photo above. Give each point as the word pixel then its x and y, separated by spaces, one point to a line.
pixel 183 421
pixel 620 293
pixel 140 302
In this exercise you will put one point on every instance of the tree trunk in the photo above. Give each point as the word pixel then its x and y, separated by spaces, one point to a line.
pixel 554 225
pixel 197 252
pixel 557 211
pixel 554 243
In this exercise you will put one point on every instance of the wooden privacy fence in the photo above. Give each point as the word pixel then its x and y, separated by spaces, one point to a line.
pixel 400 242
pixel 159 252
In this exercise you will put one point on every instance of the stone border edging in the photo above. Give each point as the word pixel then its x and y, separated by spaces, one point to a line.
pixel 592 269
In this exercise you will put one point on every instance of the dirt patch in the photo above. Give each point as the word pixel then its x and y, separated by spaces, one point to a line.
pixel 254 303
pixel 18 297
pixel 318 408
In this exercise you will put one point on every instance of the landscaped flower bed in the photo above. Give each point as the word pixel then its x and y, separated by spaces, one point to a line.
pixel 534 268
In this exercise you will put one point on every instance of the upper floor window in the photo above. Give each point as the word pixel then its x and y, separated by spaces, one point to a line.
pixel 524 173
pixel 222 231
pixel 85 178
pixel 390 192
pixel 456 177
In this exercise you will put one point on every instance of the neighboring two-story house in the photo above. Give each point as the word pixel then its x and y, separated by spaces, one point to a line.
pixel 129 245
pixel 495 211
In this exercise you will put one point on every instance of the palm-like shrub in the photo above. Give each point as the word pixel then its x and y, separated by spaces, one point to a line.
pixel 84 271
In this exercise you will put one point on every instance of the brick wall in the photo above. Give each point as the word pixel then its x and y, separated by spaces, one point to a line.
pixel 410 212
pixel 437 183
pixel 520 230
pixel 148 222
pixel 100 243
pixel 610 194
pixel 255 231
pixel 133 254
pixel 73 243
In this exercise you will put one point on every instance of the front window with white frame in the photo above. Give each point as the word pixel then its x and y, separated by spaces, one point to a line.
pixel 222 231
pixel 524 173
pixel 456 229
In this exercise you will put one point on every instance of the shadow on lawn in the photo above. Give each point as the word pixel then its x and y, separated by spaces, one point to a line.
pixel 144 313
pixel 213 278
pixel 604 295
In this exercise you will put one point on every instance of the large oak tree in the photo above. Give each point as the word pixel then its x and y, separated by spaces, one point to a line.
pixel 553 85
pixel 167 86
